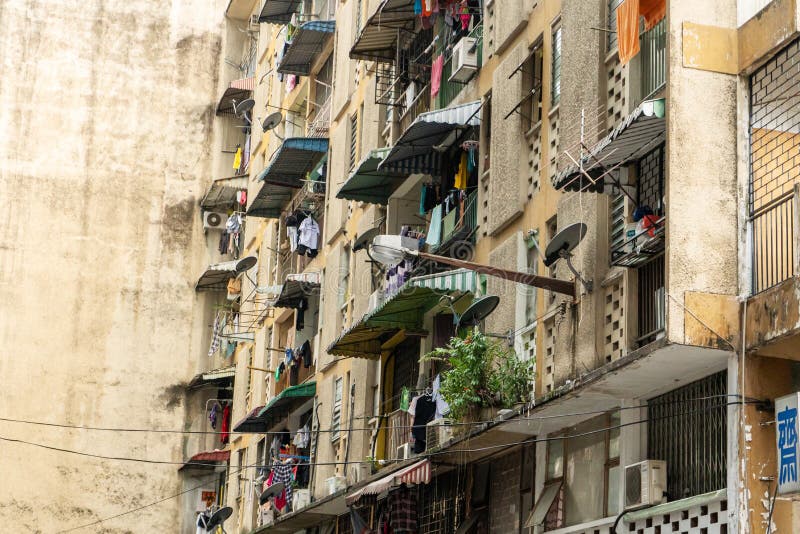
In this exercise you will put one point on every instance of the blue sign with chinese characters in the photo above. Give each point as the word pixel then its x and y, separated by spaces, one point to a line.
pixel 786 437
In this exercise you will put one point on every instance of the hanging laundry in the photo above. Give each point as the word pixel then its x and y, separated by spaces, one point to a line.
pixel 304 353
pixel 628 30
pixel 212 416
pixel 436 75
pixel 442 408
pixel 216 332
pixel 299 314
pixel 652 11
pixel 427 8
pixel 241 197
pixel 405 398
pixel 423 409
pixel 462 174
pixel 291 82
pixel 237 158
pixel 417 7
pixel 403 514
pixel 308 238
pixel 289 356
pixel 224 435
pixel 283 473
pixel 464 15
pixel 422 195
pixel 435 229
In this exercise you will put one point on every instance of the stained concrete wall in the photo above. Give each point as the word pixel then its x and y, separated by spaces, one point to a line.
pixel 106 135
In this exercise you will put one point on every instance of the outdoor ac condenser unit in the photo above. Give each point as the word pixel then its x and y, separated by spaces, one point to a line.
pixel 645 483
pixel 213 220
pixel 438 432
pixel 465 60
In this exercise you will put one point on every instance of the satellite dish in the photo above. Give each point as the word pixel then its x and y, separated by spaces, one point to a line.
pixel 272 121
pixel 561 246
pixel 478 311
pixel 218 517
pixel 272 491
pixel 243 107
pixel 563 243
pixel 245 264
pixel 363 241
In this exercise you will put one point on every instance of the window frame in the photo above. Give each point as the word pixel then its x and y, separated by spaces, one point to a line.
pixel 556 47
pixel 336 408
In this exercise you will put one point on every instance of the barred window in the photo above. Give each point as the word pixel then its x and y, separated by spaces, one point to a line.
pixel 612 24
pixel 555 73
pixel 336 413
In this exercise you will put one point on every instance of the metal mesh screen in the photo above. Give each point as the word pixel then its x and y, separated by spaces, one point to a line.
pixel 689 434
pixel 651 300
pixel 441 503
pixel 650 188
pixel 774 165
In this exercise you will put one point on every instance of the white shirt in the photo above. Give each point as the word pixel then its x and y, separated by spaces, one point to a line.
pixel 309 233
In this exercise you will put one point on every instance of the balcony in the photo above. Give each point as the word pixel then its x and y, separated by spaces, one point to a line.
pixel 398 430
pixel 320 123
pixel 458 226
pixel 449 90
pixel 653 57
pixel 306 44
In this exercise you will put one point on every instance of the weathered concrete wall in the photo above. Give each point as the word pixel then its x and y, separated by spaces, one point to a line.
pixel 104 152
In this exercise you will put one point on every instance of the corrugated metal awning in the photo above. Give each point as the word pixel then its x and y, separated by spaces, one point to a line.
pixel 221 193
pixel 215 277
pixel 307 42
pixel 378 40
pixel 270 201
pixel 296 157
pixel 632 139
pixel 282 404
pixel 430 130
pixel 206 460
pixel 215 377
pixel 418 473
pixel 403 311
pixel 293 291
pixel 251 422
pixel 238 90
pixel 367 184
pixel 278 11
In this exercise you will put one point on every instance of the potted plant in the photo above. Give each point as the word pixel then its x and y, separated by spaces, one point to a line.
pixel 481 372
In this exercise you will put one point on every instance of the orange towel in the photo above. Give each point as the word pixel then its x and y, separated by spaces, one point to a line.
pixel 628 30
pixel 652 11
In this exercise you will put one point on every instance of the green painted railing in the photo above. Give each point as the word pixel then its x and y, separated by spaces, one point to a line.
pixel 449 90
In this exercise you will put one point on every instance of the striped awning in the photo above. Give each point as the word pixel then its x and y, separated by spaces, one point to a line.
pixel 430 130
pixel 215 377
pixel 417 473
pixel 294 291
pixel 404 311
pixel 640 132
pixel 367 184
pixel 306 44
pixel 238 90
pixel 378 40
pixel 251 422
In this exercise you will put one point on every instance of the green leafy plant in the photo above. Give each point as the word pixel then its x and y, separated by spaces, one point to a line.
pixel 481 372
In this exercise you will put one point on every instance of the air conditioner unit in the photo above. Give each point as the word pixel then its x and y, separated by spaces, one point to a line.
pixel 465 60
pixel 335 483
pixel 213 220
pixel 404 451
pixel 645 483
pixel 358 473
pixel 438 432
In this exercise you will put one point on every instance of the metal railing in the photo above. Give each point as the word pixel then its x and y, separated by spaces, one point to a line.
pixel 420 104
pixel 651 301
pixel 398 429
pixel 775 242
pixel 654 58
pixel 320 124
pixel 457 225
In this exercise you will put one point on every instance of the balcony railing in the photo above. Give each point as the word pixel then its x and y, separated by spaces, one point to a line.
pixel 398 429
pixel 775 241
pixel 420 104
pixel 654 59
pixel 651 310
pixel 320 124
pixel 450 90
pixel 459 225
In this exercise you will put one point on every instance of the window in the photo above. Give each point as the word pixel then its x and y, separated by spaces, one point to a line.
pixel 532 72
pixel 344 283
pixel 336 411
pixel 532 268
pixel 611 39
pixel 613 469
pixel 555 88
pixel 552 230
pixel 353 140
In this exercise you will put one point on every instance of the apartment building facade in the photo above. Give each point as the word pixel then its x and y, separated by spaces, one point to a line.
pixel 659 141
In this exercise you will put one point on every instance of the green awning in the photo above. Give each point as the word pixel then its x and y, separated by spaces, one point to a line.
pixel 368 184
pixel 404 311
pixel 284 402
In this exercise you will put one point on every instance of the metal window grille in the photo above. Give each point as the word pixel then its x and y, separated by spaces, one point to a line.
pixel 617 216
pixel 353 140
pixel 650 184
pixel 651 300
pixel 654 58
pixel 612 24
pixel 690 435
pixel 774 166
pixel 336 413
pixel 555 89
pixel 441 503
pixel 344 525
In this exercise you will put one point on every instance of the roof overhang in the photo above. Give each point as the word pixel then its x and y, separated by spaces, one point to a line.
pixel 640 132
pixel 379 37
pixel 270 201
pixel 403 311
pixel 296 158
pixel 221 193
pixel 416 473
pixel 237 91
pixel 217 377
pixel 251 422
pixel 216 276
pixel 206 460
pixel 296 290
pixel 278 11
pixel 368 184
pixel 240 9
pixel 277 409
pixel 307 42
pixel 432 133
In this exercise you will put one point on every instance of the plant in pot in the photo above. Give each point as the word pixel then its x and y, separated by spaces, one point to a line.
pixel 481 372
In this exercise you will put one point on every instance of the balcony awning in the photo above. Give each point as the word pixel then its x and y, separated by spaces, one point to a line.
pixel 251 422
pixel 315 514
pixel 378 40
pixel 403 311
pixel 278 11
pixel 632 139
pixel 221 193
pixel 284 402
pixel 215 277
pixel 270 201
pixel 433 129
pixel 205 460
pixel 296 157
pixel 215 377
pixel 417 473
pixel 367 184
pixel 307 42
pixel 238 90
pixel 294 291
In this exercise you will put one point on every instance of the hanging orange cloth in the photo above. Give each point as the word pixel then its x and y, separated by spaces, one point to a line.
pixel 628 30
pixel 652 11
